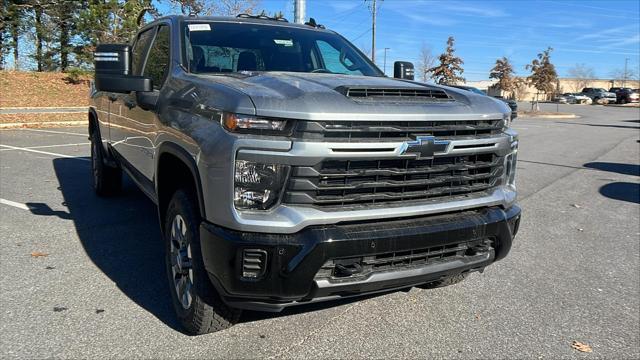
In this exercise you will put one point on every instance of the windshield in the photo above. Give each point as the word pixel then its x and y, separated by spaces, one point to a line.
pixel 219 47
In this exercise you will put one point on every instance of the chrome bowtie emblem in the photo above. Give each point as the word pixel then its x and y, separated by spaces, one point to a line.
pixel 424 147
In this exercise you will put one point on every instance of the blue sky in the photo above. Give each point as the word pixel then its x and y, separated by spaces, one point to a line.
pixel 600 34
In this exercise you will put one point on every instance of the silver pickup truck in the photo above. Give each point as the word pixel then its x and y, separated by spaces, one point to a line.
pixel 288 169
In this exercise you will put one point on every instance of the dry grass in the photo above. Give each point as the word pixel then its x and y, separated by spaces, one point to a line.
pixel 34 89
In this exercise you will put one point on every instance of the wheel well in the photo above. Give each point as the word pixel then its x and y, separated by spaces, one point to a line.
pixel 92 123
pixel 172 174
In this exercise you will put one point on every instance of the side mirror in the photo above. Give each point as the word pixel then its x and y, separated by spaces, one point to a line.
pixel 113 70
pixel 403 70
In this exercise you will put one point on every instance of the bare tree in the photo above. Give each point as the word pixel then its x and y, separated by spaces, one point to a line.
pixel 195 7
pixel 425 62
pixel 233 7
pixel 216 7
pixel 583 76
pixel 620 74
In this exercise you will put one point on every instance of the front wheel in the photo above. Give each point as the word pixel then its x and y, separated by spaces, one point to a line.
pixel 198 307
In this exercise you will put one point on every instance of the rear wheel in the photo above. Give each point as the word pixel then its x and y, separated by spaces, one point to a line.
pixel 198 307
pixel 107 180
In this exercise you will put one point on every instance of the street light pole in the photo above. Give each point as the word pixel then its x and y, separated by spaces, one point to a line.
pixel 385 60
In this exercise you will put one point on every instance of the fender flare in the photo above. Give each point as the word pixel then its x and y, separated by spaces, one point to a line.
pixel 180 153
pixel 93 120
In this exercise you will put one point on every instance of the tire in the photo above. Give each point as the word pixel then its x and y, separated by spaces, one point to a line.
pixel 198 306
pixel 623 101
pixel 450 280
pixel 107 180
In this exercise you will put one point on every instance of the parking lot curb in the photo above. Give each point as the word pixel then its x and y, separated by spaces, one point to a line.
pixel 563 116
pixel 42 124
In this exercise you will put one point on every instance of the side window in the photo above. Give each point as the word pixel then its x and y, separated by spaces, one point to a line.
pixel 332 59
pixel 157 65
pixel 140 50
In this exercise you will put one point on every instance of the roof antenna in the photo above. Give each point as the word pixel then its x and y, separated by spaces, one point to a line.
pixel 312 23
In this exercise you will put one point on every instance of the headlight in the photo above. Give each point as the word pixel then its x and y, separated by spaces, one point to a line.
pixel 252 124
pixel 506 121
pixel 258 186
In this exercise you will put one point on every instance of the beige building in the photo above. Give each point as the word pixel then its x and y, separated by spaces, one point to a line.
pixel 565 85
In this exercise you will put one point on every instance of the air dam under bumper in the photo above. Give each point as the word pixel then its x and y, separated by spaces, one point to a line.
pixel 294 266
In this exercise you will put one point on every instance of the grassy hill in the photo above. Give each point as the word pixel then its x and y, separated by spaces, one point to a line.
pixel 34 89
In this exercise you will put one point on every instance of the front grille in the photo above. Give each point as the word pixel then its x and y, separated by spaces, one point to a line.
pixel 353 183
pixel 361 131
pixel 355 267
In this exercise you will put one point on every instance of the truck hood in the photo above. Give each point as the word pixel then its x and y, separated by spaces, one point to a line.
pixel 320 96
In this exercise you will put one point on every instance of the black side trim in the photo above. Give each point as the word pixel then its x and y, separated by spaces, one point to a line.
pixel 179 152
pixel 141 181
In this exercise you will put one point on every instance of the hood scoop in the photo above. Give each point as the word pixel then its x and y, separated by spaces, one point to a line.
pixel 394 94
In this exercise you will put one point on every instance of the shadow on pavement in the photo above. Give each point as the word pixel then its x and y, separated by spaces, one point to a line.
pixel 122 237
pixel 602 125
pixel 625 169
pixel 623 191
pixel 119 234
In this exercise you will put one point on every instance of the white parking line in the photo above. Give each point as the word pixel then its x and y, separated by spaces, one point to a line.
pixel 44 152
pixel 56 132
pixel 48 146
pixel 14 204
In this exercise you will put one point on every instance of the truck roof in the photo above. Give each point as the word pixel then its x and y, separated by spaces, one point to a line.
pixel 234 19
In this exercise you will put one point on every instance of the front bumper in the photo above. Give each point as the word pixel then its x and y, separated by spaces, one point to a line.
pixel 293 261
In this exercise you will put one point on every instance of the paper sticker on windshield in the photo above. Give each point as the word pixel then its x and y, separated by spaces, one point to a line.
pixel 199 27
pixel 285 42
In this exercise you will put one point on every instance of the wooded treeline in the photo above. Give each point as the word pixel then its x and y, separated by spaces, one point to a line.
pixel 58 35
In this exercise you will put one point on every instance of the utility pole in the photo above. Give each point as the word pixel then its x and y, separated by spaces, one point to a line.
pixel 299 9
pixel 385 60
pixel 373 30
pixel 624 76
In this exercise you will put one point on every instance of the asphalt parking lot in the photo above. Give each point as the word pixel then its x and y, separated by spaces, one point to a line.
pixel 573 274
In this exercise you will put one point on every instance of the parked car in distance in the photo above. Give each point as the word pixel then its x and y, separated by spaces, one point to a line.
pixel 512 103
pixel 600 95
pixel 572 98
pixel 625 95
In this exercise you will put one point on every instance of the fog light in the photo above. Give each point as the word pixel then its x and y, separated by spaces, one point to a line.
pixel 258 186
pixel 254 263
